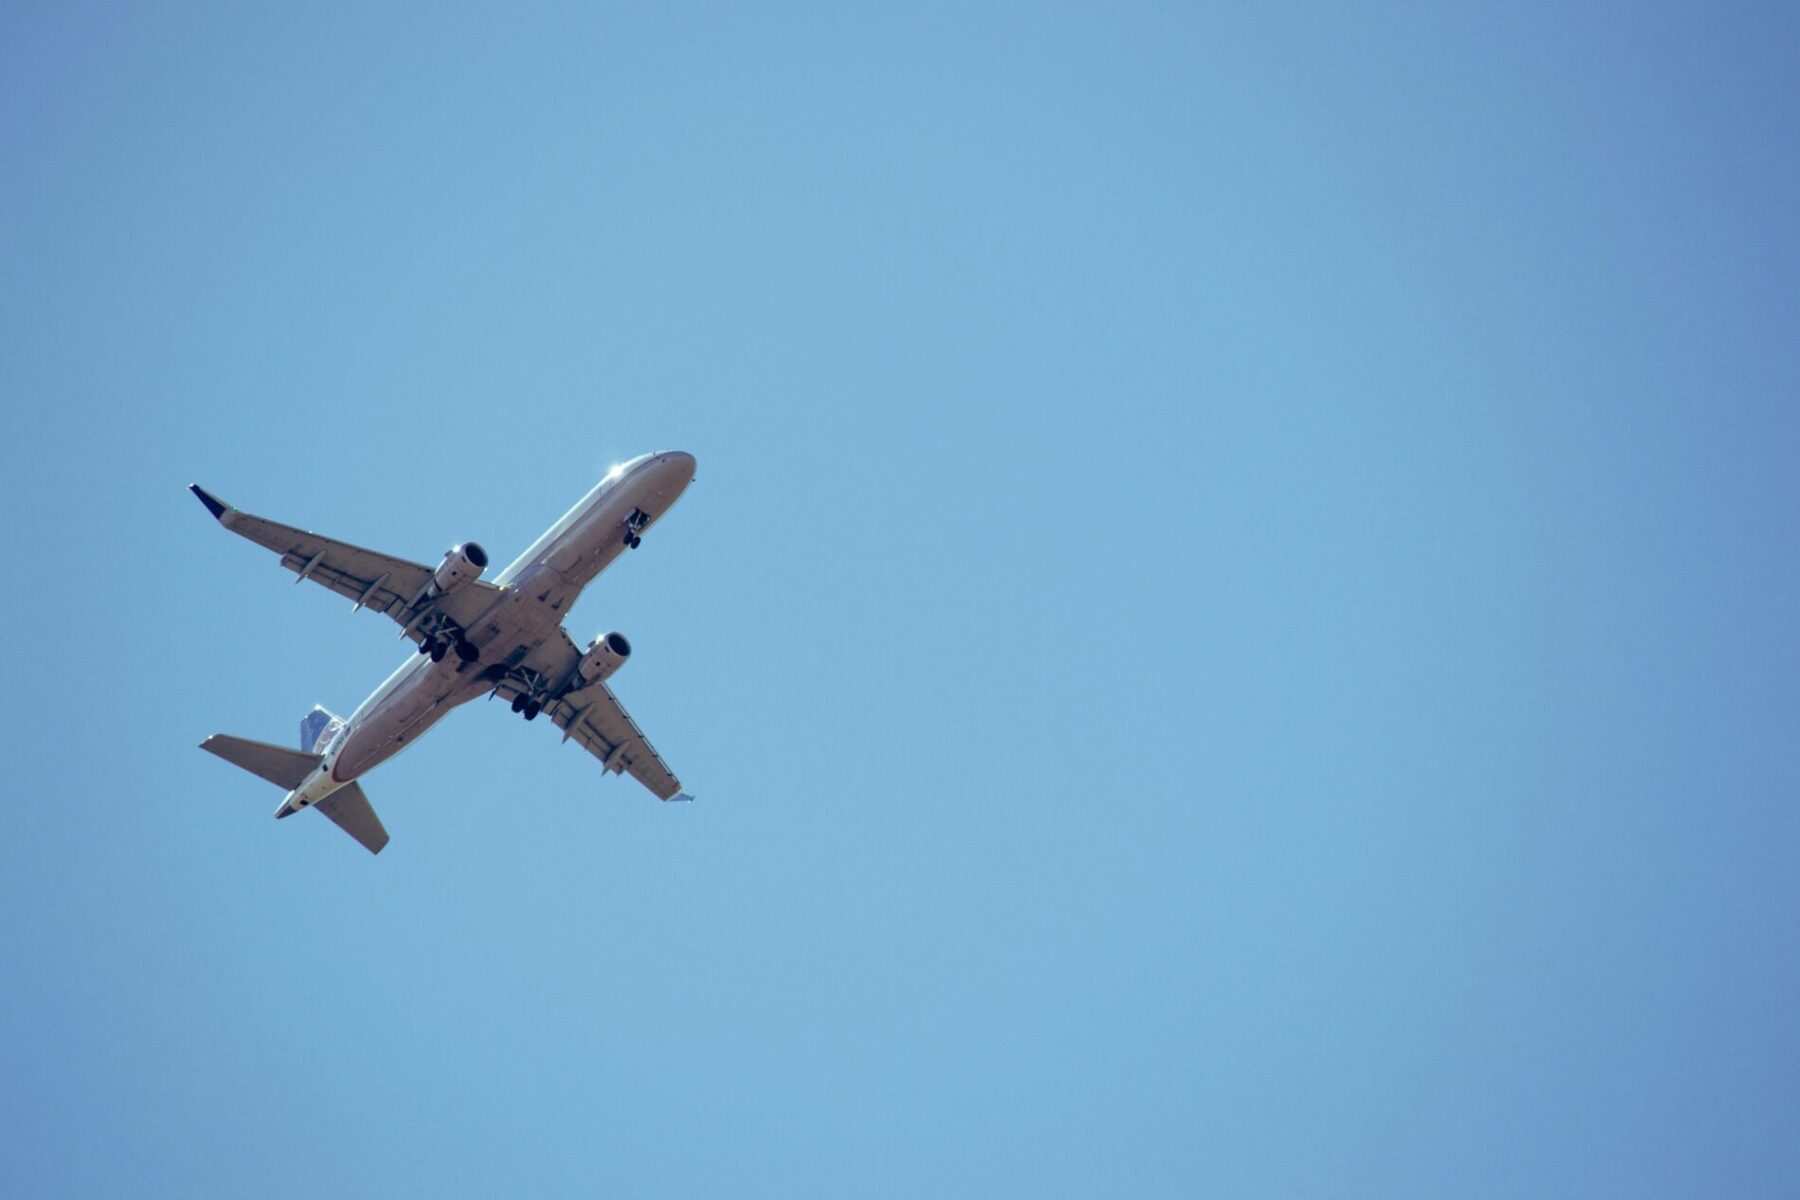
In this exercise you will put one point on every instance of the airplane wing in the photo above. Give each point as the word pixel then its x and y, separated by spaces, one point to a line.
pixel 594 717
pixel 375 581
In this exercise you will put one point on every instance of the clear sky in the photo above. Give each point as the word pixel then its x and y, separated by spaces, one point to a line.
pixel 1235 634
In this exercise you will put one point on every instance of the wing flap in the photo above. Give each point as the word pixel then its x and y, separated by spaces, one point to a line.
pixel 594 717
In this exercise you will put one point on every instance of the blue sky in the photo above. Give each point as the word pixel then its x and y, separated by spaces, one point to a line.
pixel 1234 634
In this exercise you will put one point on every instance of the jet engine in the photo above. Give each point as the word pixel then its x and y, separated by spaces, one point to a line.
pixel 606 655
pixel 461 564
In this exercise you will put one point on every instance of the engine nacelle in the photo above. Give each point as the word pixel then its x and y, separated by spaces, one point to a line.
pixel 461 564
pixel 605 656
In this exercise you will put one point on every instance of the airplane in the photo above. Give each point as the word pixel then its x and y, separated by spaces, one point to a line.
pixel 473 636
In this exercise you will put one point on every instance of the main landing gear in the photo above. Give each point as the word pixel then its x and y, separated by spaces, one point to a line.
pixel 634 526
pixel 534 691
pixel 438 635
pixel 438 647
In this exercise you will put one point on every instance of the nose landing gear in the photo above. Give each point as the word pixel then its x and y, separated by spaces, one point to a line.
pixel 634 526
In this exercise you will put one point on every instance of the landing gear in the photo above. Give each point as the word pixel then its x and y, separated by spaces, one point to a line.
pixel 437 648
pixel 534 689
pixel 439 635
pixel 635 525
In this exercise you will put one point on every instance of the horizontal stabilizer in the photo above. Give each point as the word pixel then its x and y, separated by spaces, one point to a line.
pixel 277 764
pixel 351 812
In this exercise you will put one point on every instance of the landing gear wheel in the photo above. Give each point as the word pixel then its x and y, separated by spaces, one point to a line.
pixel 636 541
pixel 634 525
pixel 531 712
pixel 519 702
pixel 424 647
pixel 467 651
pixel 438 650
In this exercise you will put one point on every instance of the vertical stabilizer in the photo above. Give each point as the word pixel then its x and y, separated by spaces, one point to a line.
pixel 316 728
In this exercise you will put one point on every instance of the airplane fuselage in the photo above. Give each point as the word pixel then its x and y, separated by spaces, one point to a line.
pixel 537 591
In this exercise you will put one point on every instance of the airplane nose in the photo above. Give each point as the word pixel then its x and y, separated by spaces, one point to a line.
pixel 677 460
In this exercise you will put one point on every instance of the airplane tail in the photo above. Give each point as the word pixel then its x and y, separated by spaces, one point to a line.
pixel 348 808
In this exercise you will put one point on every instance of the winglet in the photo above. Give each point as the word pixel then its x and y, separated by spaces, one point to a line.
pixel 682 796
pixel 214 505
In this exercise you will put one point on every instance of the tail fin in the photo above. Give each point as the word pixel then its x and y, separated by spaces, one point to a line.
pixel 316 728
pixel 277 764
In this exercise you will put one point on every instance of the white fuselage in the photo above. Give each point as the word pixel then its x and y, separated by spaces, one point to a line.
pixel 536 592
